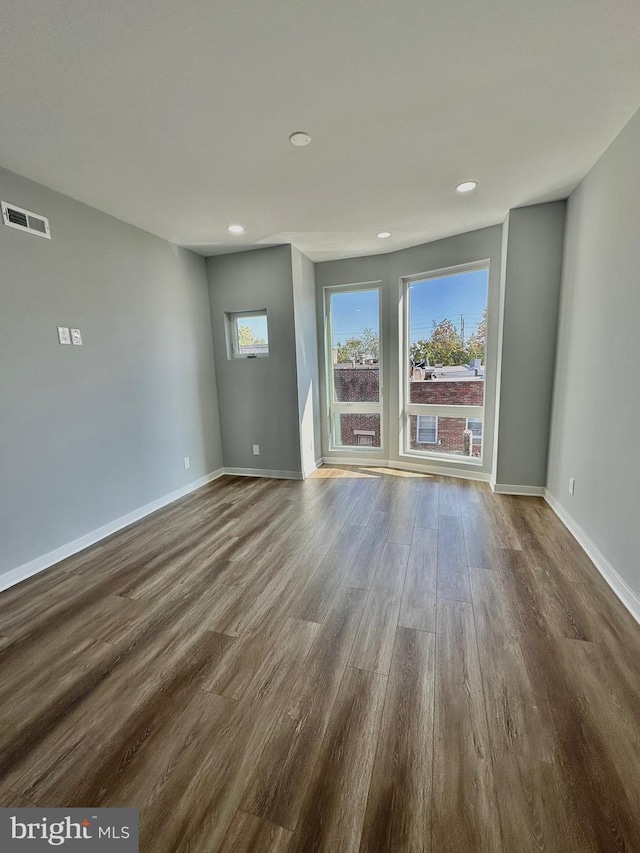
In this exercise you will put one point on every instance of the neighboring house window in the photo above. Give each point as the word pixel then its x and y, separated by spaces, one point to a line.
pixel 427 429
pixel 247 334
pixel 364 437
pixel 475 425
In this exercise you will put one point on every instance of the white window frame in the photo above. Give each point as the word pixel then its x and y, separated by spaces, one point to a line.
pixel 408 408
pixel 233 345
pixel 333 407
pixel 435 440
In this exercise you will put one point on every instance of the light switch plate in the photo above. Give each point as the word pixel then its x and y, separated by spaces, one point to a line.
pixel 63 335
pixel 76 337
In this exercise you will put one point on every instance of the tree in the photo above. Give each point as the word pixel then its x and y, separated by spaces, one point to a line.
pixel 350 350
pixel 246 337
pixel 353 349
pixel 477 343
pixel 443 347
pixel 445 344
pixel 371 342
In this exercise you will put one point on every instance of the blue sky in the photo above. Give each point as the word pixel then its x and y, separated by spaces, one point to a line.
pixel 433 299
pixel 258 326
pixel 450 297
pixel 352 312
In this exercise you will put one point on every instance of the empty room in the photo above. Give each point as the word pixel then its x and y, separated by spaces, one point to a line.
pixel 319 426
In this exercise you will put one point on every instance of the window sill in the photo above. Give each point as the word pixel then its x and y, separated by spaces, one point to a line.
pixel 243 357
pixel 372 451
pixel 426 456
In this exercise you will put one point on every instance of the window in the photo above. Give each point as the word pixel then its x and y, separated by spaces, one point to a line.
pixel 364 437
pixel 247 334
pixel 427 429
pixel 443 361
pixel 353 367
pixel 475 425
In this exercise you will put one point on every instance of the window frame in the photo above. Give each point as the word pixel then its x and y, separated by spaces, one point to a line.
pixel 409 409
pixel 333 407
pixel 233 344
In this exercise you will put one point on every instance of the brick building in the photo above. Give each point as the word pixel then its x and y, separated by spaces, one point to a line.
pixel 448 386
pixel 358 384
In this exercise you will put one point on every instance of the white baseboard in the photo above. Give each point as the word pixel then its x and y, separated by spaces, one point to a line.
pixel 33 567
pixel 264 472
pixel 505 489
pixel 617 583
pixel 419 468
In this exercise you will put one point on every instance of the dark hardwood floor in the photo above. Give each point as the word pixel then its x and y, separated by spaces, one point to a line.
pixel 366 661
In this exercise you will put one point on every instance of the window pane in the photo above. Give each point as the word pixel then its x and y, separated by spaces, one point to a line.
pixel 449 434
pixel 351 430
pixel 359 383
pixel 355 329
pixel 252 334
pixel 447 339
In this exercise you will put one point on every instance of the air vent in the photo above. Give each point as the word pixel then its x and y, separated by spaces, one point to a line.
pixel 17 218
pixel 25 220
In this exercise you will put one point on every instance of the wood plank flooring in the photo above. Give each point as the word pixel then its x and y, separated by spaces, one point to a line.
pixel 367 661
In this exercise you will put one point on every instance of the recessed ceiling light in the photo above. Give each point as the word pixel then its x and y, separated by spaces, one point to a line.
pixel 299 138
pixel 467 186
pixel 235 229
pixel 383 234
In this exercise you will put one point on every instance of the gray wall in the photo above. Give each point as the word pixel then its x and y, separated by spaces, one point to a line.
pixel 596 404
pixel 91 433
pixel 258 397
pixel 531 280
pixel 304 303
pixel 388 269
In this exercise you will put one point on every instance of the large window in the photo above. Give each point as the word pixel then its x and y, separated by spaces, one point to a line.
pixel 443 358
pixel 354 375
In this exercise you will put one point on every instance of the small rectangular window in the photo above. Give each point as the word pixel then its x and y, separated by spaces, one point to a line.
pixel 247 334
pixel 427 429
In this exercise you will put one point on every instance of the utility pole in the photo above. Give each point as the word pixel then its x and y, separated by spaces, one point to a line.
pixel 462 328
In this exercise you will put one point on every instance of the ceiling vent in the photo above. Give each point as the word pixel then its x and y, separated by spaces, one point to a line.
pixel 25 220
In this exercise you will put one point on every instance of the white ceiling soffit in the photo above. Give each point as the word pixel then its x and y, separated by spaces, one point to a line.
pixel 175 116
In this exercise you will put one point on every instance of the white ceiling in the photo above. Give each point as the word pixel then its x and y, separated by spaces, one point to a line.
pixel 174 116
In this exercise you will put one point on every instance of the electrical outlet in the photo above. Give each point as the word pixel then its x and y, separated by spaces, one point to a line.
pixel 63 335
pixel 256 450
pixel 76 337
pixel 572 485
pixel 187 462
